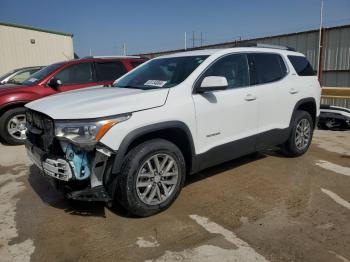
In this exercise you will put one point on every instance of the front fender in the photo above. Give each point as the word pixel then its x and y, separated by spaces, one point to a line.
pixel 137 133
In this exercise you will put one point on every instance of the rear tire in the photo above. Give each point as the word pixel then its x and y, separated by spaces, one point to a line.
pixel 12 126
pixel 152 176
pixel 300 136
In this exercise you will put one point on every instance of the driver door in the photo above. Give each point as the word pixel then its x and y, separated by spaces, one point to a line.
pixel 227 120
pixel 76 76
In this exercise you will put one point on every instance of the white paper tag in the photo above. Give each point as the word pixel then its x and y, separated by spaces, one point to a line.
pixel 158 83
pixel 32 79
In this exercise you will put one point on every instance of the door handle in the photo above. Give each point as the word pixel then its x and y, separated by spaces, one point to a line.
pixel 293 91
pixel 250 97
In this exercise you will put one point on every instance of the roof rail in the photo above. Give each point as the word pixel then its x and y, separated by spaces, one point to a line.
pixel 111 56
pixel 264 46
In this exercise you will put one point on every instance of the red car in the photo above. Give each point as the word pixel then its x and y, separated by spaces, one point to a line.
pixel 53 79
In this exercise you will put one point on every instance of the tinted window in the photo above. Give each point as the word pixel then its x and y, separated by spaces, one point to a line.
pixel 136 63
pixel 109 71
pixel 161 72
pixel 268 68
pixel 76 74
pixel 234 68
pixel 301 65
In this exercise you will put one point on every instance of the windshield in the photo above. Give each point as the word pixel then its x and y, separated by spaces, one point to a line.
pixel 7 74
pixel 161 73
pixel 41 74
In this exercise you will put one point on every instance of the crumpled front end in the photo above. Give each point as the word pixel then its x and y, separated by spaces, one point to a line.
pixel 80 171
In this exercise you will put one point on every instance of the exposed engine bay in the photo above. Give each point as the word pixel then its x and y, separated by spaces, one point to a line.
pixel 80 172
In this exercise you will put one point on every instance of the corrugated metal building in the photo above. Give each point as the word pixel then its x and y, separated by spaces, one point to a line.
pixel 336 51
pixel 22 46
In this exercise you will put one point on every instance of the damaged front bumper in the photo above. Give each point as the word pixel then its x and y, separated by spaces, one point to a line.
pixel 81 174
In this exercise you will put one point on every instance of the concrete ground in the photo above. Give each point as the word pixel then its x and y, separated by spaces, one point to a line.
pixel 257 208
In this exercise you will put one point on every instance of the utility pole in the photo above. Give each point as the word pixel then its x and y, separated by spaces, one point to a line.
pixel 193 39
pixel 185 41
pixel 320 47
pixel 90 52
pixel 124 49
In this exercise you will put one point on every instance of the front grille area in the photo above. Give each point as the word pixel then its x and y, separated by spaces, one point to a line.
pixel 40 130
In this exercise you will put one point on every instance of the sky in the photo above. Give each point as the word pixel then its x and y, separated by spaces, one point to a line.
pixel 157 25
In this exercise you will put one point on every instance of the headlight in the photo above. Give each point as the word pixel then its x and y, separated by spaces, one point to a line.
pixel 86 132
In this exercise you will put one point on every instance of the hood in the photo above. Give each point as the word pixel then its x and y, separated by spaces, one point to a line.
pixel 98 102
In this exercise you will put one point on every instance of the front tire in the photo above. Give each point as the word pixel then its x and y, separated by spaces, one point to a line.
pixel 300 135
pixel 152 176
pixel 12 126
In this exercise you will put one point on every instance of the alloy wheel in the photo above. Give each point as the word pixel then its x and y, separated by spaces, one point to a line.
pixel 16 127
pixel 303 134
pixel 157 179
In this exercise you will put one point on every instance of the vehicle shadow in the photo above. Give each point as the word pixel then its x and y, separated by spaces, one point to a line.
pixel 3 142
pixel 212 171
pixel 48 194
pixel 56 199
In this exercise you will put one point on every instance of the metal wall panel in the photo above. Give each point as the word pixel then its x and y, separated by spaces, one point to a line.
pixel 336 51
pixel 336 101
pixel 305 43
pixel 334 78
pixel 16 49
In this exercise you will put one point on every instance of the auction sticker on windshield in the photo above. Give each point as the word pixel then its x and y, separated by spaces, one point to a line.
pixel 32 79
pixel 157 83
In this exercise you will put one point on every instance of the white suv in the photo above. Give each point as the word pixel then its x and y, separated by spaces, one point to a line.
pixel 173 116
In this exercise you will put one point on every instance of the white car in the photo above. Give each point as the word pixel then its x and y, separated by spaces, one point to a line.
pixel 136 142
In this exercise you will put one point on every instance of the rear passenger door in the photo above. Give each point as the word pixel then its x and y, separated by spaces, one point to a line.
pixel 108 72
pixel 269 80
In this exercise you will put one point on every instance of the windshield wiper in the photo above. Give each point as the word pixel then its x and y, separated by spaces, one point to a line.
pixel 134 87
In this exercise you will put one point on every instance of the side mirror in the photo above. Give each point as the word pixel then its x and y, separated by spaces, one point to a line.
pixel 212 83
pixel 54 83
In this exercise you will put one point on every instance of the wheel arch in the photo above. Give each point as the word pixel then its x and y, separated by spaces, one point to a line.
pixel 176 132
pixel 12 105
pixel 309 105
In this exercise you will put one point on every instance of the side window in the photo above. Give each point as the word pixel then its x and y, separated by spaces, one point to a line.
pixel 76 74
pixel 109 71
pixel 301 65
pixel 234 68
pixel 268 68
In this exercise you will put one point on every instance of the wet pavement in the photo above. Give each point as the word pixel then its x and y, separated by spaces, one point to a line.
pixel 262 207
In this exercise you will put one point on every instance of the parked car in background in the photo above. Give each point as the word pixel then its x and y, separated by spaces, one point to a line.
pixel 17 76
pixel 53 79
pixel 175 115
pixel 334 118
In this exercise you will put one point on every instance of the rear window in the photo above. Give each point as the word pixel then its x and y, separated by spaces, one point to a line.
pixel 268 68
pixel 109 71
pixel 301 65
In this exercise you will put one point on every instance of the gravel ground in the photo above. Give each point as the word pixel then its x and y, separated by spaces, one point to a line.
pixel 257 208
